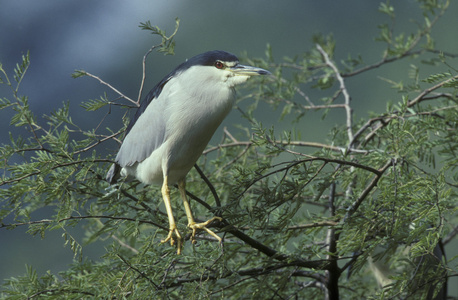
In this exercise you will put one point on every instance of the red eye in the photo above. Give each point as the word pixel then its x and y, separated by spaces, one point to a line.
pixel 219 65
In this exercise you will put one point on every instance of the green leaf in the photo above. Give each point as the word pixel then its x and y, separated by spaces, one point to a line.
pixel 95 104
pixel 386 8
pixel 20 69
pixel 437 77
pixel 79 73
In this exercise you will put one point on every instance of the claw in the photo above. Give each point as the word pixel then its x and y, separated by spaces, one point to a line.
pixel 172 240
pixel 202 226
pixel 191 223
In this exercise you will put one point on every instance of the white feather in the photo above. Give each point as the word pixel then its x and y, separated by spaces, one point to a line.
pixel 191 107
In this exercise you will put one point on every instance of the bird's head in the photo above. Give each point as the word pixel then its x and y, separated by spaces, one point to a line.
pixel 218 67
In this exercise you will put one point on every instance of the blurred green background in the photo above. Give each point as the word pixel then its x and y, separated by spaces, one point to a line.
pixel 103 38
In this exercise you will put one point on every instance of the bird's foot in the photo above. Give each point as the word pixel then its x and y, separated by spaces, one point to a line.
pixel 170 238
pixel 203 226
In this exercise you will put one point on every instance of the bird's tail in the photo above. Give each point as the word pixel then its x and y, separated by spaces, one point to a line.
pixel 113 174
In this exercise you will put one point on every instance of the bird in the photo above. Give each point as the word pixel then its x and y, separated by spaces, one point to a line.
pixel 173 125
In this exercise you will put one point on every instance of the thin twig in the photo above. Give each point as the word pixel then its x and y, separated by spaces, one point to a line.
pixel 427 91
pixel 226 132
pixel 313 225
pixel 318 264
pixel 367 190
pixel 385 120
pixel 450 236
pixel 209 184
pixel 108 137
pixel 406 53
pixel 309 107
pixel 301 93
pixel 142 83
pixel 47 221
pixel 110 86
pixel 248 272
pixel 138 271
pixel 288 143
pixel 127 246
pixel 344 90
pixel 59 165
pixel 378 173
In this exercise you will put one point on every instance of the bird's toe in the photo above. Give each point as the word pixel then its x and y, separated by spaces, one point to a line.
pixel 203 226
pixel 179 239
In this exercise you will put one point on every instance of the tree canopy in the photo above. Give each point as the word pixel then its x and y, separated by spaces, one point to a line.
pixel 368 214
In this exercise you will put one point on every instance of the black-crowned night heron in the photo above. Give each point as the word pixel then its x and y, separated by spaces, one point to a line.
pixel 174 124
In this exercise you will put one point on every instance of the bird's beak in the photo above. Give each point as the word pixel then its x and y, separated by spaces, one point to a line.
pixel 241 70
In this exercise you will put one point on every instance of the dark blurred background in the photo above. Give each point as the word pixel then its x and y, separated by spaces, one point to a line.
pixel 103 38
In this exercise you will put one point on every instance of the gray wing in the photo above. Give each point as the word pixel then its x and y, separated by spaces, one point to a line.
pixel 145 136
pixel 145 132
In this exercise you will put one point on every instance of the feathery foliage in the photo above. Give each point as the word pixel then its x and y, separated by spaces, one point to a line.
pixel 299 216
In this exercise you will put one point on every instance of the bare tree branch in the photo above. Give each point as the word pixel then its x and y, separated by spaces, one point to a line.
pixel 344 91
pixel 109 86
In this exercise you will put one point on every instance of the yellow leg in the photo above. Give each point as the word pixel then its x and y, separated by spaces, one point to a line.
pixel 191 223
pixel 173 227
